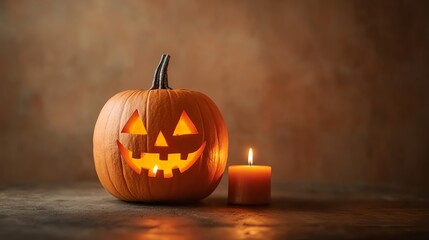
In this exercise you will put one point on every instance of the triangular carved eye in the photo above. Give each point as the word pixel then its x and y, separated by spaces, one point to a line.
pixel 135 125
pixel 185 126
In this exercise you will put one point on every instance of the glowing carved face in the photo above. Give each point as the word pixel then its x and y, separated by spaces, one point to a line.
pixel 152 161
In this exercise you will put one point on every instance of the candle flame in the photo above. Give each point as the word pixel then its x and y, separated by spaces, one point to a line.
pixel 250 157
pixel 155 169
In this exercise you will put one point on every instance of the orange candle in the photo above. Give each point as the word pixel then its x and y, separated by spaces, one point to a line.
pixel 249 184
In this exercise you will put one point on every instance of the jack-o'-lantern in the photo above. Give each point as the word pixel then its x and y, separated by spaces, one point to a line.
pixel 160 145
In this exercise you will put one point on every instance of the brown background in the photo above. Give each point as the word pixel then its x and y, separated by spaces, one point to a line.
pixel 330 93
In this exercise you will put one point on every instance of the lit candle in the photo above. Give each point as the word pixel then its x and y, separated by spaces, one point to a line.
pixel 249 184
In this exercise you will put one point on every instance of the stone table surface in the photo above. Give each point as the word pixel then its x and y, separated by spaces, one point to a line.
pixel 86 211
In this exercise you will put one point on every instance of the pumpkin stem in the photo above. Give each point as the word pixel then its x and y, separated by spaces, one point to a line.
pixel 163 75
pixel 155 82
pixel 160 80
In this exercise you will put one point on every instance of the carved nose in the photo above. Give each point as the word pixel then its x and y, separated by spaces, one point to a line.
pixel 160 140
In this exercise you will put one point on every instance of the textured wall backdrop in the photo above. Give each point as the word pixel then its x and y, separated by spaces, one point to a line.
pixel 327 92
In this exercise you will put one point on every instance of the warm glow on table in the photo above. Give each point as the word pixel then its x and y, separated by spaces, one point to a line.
pixel 249 184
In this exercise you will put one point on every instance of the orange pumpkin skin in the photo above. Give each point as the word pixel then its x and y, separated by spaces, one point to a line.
pixel 160 111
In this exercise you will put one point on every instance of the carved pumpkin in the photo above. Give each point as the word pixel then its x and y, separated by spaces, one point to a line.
pixel 160 145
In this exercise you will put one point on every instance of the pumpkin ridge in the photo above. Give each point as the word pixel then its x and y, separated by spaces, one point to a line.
pixel 120 157
pixel 132 176
pixel 147 141
pixel 189 93
pixel 105 165
pixel 107 121
pixel 209 102
pixel 217 138
pixel 129 175
pixel 170 100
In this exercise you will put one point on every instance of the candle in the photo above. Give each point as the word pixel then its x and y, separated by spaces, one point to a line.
pixel 249 184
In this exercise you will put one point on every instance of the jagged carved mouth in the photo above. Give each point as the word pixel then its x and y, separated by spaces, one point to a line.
pixel 153 163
